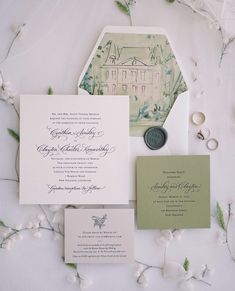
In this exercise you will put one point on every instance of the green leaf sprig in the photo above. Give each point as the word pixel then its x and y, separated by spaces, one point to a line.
pixel 14 134
pixel 123 7
pixel 50 91
pixel 71 265
pixel 2 223
pixel 186 264
pixel 220 216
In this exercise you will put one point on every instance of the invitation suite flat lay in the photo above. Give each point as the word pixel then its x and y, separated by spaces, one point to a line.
pixel 99 235
pixel 74 149
pixel 173 192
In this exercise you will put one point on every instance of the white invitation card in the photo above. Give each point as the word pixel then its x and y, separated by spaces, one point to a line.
pixel 74 149
pixel 99 235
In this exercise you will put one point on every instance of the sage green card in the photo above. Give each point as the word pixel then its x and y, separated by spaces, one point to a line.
pixel 173 192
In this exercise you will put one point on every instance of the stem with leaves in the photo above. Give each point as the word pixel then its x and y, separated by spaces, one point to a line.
pixel 186 264
pixel 225 226
pixel 11 231
pixel 10 99
pixel 11 45
pixel 15 135
pixel 146 267
pixel 16 231
pixel 125 7
pixel 225 48
pixel 17 33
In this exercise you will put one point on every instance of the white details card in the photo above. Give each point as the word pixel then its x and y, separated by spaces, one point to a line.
pixel 99 235
pixel 74 149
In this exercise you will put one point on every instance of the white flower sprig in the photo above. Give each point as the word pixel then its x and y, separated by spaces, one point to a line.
pixel 216 21
pixel 7 94
pixel 225 47
pixel 17 32
pixel 9 235
pixel 140 273
pixel 181 274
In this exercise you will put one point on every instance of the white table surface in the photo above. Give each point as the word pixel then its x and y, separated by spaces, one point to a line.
pixel 52 51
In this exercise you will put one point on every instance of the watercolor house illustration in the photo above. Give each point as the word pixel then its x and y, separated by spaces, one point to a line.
pixel 141 66
pixel 129 73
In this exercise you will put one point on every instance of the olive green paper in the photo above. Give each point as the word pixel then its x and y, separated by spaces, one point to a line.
pixel 173 192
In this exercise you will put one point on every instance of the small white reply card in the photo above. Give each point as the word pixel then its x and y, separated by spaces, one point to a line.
pixel 99 235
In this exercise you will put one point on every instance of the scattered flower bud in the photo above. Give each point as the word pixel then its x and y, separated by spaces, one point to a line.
pixel 143 281
pixel 18 29
pixel 174 271
pixel 138 271
pixel 71 278
pixel 13 238
pixel 41 217
pixel 19 226
pixel 162 241
pixel 186 286
pixel 35 225
pixel 167 234
pixel 19 236
pixel 85 283
pixel 29 224
pixel 6 85
pixel 178 236
pixel 8 245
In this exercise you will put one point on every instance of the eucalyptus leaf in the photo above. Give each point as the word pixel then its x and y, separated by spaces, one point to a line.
pixel 13 134
pixel 71 265
pixel 186 264
pixel 2 223
pixel 220 216
pixel 49 91
pixel 123 8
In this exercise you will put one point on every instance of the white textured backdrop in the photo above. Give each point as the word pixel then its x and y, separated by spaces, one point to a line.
pixel 52 51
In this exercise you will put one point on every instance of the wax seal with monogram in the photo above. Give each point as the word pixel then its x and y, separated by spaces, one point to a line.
pixel 155 137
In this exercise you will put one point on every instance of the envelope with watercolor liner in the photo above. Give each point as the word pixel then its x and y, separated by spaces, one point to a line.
pixel 141 62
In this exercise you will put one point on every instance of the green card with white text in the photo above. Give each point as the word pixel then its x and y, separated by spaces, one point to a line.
pixel 173 192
